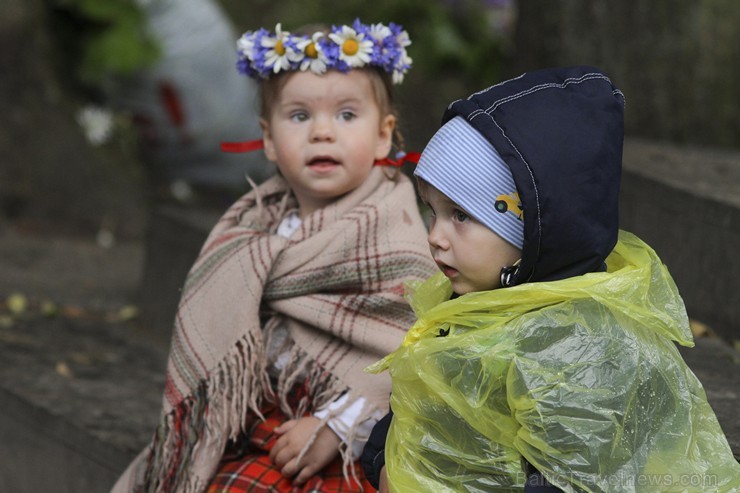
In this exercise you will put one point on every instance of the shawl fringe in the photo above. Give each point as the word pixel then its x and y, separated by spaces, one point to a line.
pixel 240 386
pixel 234 389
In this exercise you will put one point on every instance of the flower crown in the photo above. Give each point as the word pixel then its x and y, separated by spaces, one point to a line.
pixel 262 53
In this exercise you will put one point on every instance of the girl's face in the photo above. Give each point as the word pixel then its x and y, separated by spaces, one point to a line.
pixel 325 132
pixel 467 252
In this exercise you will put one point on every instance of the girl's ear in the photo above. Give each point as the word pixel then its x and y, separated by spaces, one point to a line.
pixel 385 136
pixel 267 140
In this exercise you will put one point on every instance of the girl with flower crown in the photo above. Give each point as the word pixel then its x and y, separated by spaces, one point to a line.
pixel 299 286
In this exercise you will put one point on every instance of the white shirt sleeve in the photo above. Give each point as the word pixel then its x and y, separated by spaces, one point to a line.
pixel 340 423
pixel 289 224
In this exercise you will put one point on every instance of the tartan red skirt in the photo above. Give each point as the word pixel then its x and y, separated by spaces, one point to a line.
pixel 252 471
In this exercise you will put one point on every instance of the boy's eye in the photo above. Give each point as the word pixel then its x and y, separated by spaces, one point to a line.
pixel 460 216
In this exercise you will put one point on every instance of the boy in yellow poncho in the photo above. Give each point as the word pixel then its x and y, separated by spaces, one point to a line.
pixel 569 378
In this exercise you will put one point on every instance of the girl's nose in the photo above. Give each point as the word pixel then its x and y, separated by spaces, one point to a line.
pixel 322 130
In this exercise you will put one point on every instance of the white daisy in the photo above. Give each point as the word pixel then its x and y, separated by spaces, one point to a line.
pixel 403 39
pixel 354 49
pixel 314 57
pixel 380 32
pixel 245 47
pixel 279 55
pixel 402 65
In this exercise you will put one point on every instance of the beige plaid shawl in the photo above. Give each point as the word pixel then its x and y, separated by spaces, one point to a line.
pixel 337 284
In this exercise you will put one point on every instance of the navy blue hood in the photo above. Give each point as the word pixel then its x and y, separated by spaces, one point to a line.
pixel 561 132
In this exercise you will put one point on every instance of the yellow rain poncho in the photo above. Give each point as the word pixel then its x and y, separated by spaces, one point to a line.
pixel 579 376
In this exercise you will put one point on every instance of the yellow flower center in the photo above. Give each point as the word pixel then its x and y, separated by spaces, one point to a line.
pixel 279 48
pixel 311 51
pixel 350 47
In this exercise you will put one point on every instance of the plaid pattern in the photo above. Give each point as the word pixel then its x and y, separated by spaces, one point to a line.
pixel 336 285
pixel 253 472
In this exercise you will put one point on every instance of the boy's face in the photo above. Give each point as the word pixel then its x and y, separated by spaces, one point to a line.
pixel 325 132
pixel 468 253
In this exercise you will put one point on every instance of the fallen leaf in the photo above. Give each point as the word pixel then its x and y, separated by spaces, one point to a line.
pixel 73 311
pixel 49 309
pixel 64 370
pixel 699 329
pixel 128 312
pixel 17 303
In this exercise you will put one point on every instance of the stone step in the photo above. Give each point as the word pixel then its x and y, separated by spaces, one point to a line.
pixel 79 396
pixel 685 203
pixel 80 384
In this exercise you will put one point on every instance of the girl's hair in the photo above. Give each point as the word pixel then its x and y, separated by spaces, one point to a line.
pixel 380 81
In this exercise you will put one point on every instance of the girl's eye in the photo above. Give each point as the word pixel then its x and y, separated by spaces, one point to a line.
pixel 347 116
pixel 460 216
pixel 299 116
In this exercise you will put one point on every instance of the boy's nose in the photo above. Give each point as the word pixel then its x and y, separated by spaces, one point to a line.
pixel 436 237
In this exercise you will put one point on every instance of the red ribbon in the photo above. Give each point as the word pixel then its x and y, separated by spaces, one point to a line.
pixel 248 146
pixel 254 145
pixel 408 157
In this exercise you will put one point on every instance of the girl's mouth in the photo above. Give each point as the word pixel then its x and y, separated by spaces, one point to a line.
pixel 322 163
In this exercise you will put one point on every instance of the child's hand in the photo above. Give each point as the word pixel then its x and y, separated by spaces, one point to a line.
pixel 295 435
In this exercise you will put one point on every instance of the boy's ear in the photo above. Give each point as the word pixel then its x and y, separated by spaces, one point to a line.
pixel 267 140
pixel 385 136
